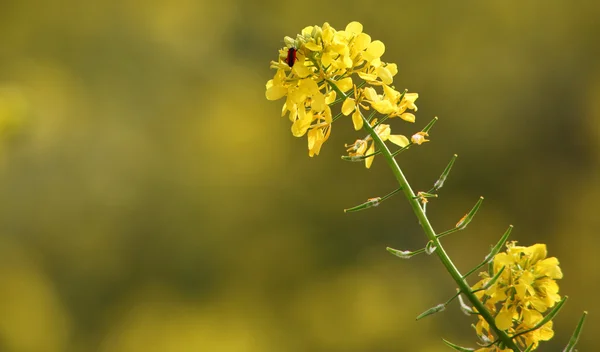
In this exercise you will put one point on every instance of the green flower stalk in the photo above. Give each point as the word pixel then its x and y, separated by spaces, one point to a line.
pixel 323 67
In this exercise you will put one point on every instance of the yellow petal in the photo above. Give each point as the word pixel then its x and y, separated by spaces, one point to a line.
pixel 354 27
pixel 340 45
pixel 330 98
pixel 327 116
pixel 369 160
pixel 538 252
pixel 316 138
pixel 391 93
pixel 374 50
pixel 549 267
pixel 384 107
pixel 393 68
pixel 297 95
pixel 301 70
pixel 307 30
pixel 502 259
pixel 383 131
pixel 361 42
pixel 309 86
pixel 345 84
pixel 312 138
pixel 301 125
pixel 399 140
pixel 293 109
pixel 348 106
pixel 545 333
pixel 318 102
pixel 504 319
pixel 347 61
pixel 371 94
pixel 409 100
pixel 327 59
pixel 385 75
pixel 328 33
pixel 367 76
pixel 357 120
pixel 520 290
pixel 313 46
pixel 275 92
pixel 408 117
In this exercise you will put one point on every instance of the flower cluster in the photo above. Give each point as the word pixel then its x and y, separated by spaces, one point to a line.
pixel 323 67
pixel 525 288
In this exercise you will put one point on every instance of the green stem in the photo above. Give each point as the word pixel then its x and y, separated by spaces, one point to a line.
pixel 430 233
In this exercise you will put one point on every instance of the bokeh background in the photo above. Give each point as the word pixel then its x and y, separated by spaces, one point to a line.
pixel 152 199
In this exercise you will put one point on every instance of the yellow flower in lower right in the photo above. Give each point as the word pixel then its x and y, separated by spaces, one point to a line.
pixel 524 290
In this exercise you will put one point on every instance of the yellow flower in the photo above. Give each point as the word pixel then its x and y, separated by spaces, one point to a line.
pixel 366 146
pixel 378 73
pixel 529 320
pixel 391 102
pixel 327 64
pixel 504 319
pixel 407 103
pixel 525 289
pixel 352 106
pixel 277 87
pixel 319 132
pixel 531 275
pixel 302 122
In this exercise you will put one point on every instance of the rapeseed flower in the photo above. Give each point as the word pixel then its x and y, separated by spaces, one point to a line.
pixel 524 290
pixel 331 67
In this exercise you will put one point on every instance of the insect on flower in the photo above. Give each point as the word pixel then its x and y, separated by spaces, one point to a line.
pixel 291 57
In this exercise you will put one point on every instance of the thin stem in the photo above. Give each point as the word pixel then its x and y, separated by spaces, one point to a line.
pixel 380 121
pixel 445 233
pixel 452 298
pixel 336 117
pixel 401 149
pixel 387 196
pixel 430 233
pixel 371 115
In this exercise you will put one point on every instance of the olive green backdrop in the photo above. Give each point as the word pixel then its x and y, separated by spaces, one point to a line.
pixel 152 199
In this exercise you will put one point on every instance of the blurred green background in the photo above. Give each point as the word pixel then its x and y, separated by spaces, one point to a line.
pixel 152 199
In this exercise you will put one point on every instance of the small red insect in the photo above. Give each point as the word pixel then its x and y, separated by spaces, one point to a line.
pixel 291 57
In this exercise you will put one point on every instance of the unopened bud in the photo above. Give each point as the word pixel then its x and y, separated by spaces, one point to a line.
pixel 317 33
pixel 289 41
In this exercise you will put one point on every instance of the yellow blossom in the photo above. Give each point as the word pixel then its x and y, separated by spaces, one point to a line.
pixel 319 132
pixel 530 319
pixel 352 106
pixel 532 276
pixel 525 290
pixel 327 63
pixel 366 146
